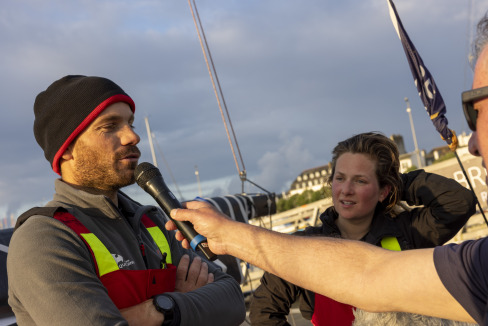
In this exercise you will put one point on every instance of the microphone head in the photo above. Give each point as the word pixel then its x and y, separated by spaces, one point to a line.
pixel 145 172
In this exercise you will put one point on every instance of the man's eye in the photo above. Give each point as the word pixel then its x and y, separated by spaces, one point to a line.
pixel 109 126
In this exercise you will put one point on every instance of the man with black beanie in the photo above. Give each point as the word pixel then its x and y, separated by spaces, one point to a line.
pixel 94 256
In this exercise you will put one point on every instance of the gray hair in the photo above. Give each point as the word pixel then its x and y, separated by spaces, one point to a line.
pixel 480 41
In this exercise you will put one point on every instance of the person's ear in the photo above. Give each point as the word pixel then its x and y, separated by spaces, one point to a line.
pixel 68 153
pixel 384 192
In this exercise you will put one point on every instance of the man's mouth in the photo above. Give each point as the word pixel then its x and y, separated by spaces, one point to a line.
pixel 132 157
pixel 131 154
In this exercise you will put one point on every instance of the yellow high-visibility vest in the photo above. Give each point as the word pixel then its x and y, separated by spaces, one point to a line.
pixel 390 243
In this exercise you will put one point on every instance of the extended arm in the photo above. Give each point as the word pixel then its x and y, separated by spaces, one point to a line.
pixel 272 300
pixel 359 274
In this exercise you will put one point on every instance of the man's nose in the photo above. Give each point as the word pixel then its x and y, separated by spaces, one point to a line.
pixel 129 136
pixel 473 144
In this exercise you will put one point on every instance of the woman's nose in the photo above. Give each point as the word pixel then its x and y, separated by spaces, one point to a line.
pixel 347 187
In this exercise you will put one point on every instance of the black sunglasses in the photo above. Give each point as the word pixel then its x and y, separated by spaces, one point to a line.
pixel 468 98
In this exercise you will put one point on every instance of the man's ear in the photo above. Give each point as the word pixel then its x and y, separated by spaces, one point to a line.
pixel 64 165
pixel 68 153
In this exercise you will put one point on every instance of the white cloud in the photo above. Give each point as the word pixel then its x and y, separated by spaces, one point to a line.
pixel 297 78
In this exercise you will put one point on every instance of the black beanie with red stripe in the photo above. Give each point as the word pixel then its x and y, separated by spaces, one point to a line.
pixel 67 107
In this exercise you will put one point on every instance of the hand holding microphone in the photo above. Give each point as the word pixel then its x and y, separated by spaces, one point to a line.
pixel 208 221
pixel 150 179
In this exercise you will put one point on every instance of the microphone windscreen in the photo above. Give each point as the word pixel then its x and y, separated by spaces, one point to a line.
pixel 145 172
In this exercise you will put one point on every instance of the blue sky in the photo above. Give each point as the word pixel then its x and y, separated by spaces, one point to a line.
pixel 297 76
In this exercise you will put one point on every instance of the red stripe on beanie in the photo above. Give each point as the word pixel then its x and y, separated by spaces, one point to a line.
pixel 102 106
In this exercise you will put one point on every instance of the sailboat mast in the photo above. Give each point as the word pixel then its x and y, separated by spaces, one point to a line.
pixel 149 136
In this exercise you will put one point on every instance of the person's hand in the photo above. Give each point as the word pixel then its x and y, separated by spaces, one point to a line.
pixel 191 277
pixel 206 220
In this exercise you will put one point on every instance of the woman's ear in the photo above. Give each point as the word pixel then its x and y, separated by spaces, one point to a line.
pixel 384 192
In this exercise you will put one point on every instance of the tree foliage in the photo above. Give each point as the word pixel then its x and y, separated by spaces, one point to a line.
pixel 445 157
pixel 306 197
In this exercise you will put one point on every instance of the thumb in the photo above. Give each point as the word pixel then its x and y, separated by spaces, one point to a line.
pixel 177 214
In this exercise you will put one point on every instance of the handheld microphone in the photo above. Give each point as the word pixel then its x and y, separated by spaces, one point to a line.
pixel 150 179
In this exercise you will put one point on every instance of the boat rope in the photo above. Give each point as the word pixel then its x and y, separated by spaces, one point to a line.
pixel 169 169
pixel 215 80
pixel 220 96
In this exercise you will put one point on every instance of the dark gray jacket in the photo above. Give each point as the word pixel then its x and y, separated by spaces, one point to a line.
pixel 52 280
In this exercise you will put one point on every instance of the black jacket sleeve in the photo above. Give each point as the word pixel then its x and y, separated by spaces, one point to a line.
pixel 442 207
pixel 272 300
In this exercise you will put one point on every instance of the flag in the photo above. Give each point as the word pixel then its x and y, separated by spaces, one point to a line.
pixel 428 92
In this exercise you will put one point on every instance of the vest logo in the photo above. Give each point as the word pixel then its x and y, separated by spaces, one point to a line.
pixel 121 262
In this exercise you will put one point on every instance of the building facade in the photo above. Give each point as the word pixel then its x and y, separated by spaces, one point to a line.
pixel 314 179
pixel 311 179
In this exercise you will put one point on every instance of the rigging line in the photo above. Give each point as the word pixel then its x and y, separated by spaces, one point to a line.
pixel 150 137
pixel 254 184
pixel 168 168
pixel 468 61
pixel 218 84
pixel 205 50
pixel 471 187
